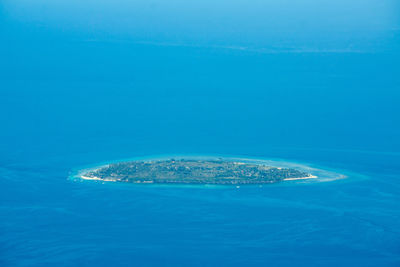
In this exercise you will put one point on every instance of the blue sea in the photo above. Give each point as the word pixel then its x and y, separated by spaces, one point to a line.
pixel 310 82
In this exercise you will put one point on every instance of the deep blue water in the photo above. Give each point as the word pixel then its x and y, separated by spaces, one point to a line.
pixel 310 81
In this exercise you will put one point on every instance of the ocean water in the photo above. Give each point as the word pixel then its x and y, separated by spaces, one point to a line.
pixel 313 82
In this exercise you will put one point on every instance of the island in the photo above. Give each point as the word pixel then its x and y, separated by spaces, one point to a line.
pixel 194 171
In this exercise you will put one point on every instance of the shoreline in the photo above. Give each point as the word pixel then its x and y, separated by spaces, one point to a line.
pixel 95 178
pixel 90 178
pixel 316 174
pixel 301 178
pixel 84 177
pixel 286 179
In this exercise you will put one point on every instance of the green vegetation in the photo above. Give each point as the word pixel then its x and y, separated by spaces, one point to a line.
pixel 192 171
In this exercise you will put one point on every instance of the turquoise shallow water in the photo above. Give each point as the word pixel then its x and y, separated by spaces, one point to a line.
pixel 314 82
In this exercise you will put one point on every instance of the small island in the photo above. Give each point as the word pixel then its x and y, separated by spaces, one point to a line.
pixel 194 171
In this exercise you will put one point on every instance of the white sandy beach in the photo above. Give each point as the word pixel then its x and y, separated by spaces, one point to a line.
pixel 301 178
pixel 89 178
